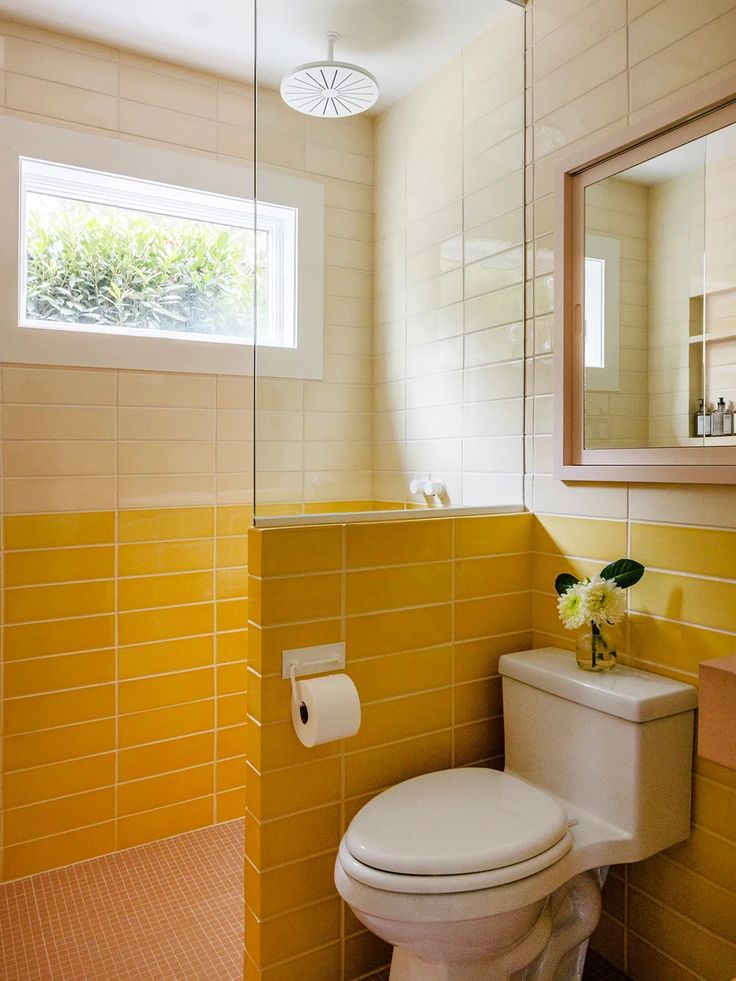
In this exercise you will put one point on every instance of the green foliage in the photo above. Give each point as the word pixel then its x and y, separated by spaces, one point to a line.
pixel 564 581
pixel 104 266
pixel 624 572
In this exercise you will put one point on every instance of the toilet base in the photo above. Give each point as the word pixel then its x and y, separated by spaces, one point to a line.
pixel 554 949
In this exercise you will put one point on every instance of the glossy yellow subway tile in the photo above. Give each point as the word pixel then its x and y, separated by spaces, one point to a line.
pixel 59 530
pixel 296 932
pixel 547 567
pixel 675 646
pixel 54 565
pixel 174 688
pixel 688 894
pixel 702 551
pixel 232 709
pixel 477 700
pixel 400 718
pixel 164 757
pixel 372 590
pixel 492 615
pixel 479 742
pixel 58 780
pixel 147 592
pixel 178 621
pixel 316 965
pixel 297 789
pixel 39 675
pixel 55 816
pixel 232 741
pixel 165 524
pixel 158 558
pixel 314 597
pixel 275 745
pixel 479 658
pixel 59 637
pixel 699 950
pixel 58 709
pixel 487 576
pixel 232 614
pixel 714 808
pixel 230 774
pixel 32 603
pixel 390 633
pixel 402 674
pixel 166 723
pixel 398 542
pixel 232 646
pixel 232 552
pixel 70 742
pixel 645 961
pixel 291 838
pixel 365 952
pixel 585 538
pixel 608 939
pixel 704 602
pixel 56 851
pixel 493 535
pixel 229 805
pixel 709 856
pixel 165 822
pixel 290 886
pixel 165 789
pixel 232 583
pixel 288 551
pixel 169 655
pixel 382 767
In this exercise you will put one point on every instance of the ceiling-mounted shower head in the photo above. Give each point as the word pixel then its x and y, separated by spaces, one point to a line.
pixel 329 88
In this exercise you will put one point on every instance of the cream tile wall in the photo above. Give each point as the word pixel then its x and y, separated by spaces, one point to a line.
pixel 448 339
pixel 593 68
pixel 619 210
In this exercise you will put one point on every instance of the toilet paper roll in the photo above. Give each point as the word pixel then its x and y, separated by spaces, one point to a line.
pixel 329 709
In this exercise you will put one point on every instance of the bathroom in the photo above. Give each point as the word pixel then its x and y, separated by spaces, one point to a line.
pixel 178 513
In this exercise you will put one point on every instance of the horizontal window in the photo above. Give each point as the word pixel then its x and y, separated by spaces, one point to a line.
pixel 123 270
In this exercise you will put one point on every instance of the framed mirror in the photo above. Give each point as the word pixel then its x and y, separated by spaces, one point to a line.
pixel 646 301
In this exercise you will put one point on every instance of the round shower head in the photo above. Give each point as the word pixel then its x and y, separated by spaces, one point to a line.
pixel 329 88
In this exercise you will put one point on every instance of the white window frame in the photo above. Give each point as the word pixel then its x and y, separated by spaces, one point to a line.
pixel 150 350
pixel 608 250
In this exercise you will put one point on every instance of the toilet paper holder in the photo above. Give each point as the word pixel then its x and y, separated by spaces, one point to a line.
pixel 310 660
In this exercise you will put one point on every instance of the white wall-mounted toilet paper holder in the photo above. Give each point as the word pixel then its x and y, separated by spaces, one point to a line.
pixel 310 660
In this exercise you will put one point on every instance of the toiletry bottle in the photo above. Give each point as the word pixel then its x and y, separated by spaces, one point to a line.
pixel 700 419
pixel 707 422
pixel 716 426
pixel 727 418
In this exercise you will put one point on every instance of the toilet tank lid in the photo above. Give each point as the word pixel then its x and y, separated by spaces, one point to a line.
pixel 638 696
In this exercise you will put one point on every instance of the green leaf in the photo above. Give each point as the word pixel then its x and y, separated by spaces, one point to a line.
pixel 564 581
pixel 624 572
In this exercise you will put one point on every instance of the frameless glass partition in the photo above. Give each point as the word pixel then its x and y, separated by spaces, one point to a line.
pixel 390 277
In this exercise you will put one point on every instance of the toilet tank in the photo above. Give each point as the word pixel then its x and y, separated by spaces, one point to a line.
pixel 617 745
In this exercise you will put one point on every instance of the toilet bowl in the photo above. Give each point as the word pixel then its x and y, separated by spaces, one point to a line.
pixel 480 875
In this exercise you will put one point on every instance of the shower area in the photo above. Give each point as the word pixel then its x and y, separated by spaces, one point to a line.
pixel 264 268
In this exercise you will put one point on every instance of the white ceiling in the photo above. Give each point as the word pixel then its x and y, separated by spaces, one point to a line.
pixel 402 42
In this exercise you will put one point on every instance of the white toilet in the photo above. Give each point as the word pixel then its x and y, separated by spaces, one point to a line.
pixel 477 875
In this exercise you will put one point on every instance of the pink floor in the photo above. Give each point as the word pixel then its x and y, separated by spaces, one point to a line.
pixel 167 910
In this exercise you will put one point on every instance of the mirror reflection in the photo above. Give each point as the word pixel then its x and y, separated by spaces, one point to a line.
pixel 660 300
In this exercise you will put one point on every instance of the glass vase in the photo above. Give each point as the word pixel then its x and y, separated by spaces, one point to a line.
pixel 594 649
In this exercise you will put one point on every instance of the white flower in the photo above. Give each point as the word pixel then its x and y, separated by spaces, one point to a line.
pixel 573 606
pixel 605 601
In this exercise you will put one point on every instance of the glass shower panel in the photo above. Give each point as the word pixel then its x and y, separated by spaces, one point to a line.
pixel 394 139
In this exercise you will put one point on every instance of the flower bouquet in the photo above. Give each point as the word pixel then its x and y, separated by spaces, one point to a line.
pixel 596 604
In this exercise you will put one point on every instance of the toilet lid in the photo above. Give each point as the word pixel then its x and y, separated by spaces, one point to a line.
pixel 455 822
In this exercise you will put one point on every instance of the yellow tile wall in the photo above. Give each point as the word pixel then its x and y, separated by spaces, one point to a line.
pixel 425 607
pixel 592 69
pixel 124 679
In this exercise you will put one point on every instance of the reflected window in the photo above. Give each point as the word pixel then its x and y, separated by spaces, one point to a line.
pixel 602 302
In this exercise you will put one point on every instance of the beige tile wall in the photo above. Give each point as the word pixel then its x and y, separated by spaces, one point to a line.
pixel 594 67
pixel 620 417
pixel 448 339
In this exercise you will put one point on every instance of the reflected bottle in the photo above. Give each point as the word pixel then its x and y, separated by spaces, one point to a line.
pixel 716 427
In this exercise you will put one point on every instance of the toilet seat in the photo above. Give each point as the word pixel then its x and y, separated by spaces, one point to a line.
pixel 413 838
